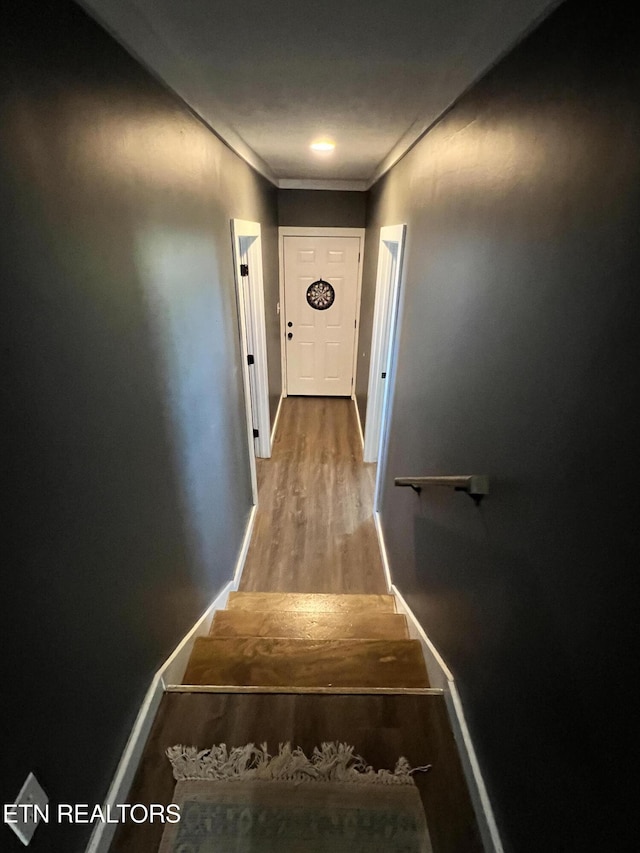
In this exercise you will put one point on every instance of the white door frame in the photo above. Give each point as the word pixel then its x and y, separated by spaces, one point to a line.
pixel 297 231
pixel 388 275
pixel 247 248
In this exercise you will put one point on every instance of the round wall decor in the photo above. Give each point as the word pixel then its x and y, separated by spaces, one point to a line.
pixel 320 295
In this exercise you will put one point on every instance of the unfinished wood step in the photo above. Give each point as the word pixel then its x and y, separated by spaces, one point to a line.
pixel 310 626
pixel 267 661
pixel 311 602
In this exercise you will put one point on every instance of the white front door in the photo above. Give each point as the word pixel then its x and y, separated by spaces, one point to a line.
pixel 320 292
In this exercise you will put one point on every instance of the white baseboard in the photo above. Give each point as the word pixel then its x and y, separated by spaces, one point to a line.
pixel 440 676
pixel 103 833
pixel 171 672
pixel 355 403
pixel 244 548
pixel 479 796
pixel 437 670
pixel 173 669
pixel 275 420
pixel 383 550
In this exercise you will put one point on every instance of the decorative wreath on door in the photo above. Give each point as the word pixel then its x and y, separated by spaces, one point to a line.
pixel 320 295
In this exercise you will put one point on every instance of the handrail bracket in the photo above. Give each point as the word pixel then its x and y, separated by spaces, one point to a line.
pixel 474 497
pixel 475 485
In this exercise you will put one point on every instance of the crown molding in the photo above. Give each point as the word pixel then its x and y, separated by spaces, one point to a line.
pixel 324 184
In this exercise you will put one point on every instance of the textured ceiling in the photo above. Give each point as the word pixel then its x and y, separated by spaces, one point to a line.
pixel 269 77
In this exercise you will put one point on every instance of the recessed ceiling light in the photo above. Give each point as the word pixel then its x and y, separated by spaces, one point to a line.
pixel 322 145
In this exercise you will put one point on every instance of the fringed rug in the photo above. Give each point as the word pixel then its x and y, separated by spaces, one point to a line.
pixel 244 800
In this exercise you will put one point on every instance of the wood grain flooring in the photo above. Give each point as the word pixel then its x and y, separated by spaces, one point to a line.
pixel 381 728
pixel 314 528
pixel 319 626
pixel 311 602
pixel 306 663
pixel 313 534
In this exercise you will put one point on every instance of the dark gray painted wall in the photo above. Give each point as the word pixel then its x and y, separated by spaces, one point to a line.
pixel 518 357
pixel 322 208
pixel 125 459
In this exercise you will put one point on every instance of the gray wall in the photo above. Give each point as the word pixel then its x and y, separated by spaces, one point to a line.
pixel 125 459
pixel 322 208
pixel 518 357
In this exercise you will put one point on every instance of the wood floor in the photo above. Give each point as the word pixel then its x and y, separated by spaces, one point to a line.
pixel 314 534
pixel 381 728
pixel 309 626
pixel 314 529
pixel 356 654
pixel 285 662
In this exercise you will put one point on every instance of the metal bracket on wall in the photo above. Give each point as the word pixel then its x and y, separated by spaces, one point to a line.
pixel 475 485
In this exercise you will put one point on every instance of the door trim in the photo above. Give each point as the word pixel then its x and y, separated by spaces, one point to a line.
pixel 298 231
pixel 385 316
pixel 241 228
pixel 390 391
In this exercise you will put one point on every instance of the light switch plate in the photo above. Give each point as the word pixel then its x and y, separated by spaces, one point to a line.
pixel 27 820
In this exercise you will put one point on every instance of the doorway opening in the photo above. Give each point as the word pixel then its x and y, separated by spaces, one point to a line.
pixel 247 252
pixel 383 348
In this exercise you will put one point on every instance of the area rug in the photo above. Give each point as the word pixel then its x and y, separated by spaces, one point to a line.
pixel 244 800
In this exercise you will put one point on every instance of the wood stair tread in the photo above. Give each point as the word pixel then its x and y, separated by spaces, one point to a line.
pixel 269 661
pixel 315 602
pixel 309 625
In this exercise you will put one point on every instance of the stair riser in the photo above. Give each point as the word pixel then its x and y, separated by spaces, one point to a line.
pixel 309 626
pixel 305 663
pixel 312 602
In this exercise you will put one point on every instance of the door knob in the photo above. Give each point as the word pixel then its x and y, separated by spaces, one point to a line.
pixel 290 335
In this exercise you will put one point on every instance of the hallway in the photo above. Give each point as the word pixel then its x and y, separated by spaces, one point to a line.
pixel 315 497
pixel 502 140
pixel 314 530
